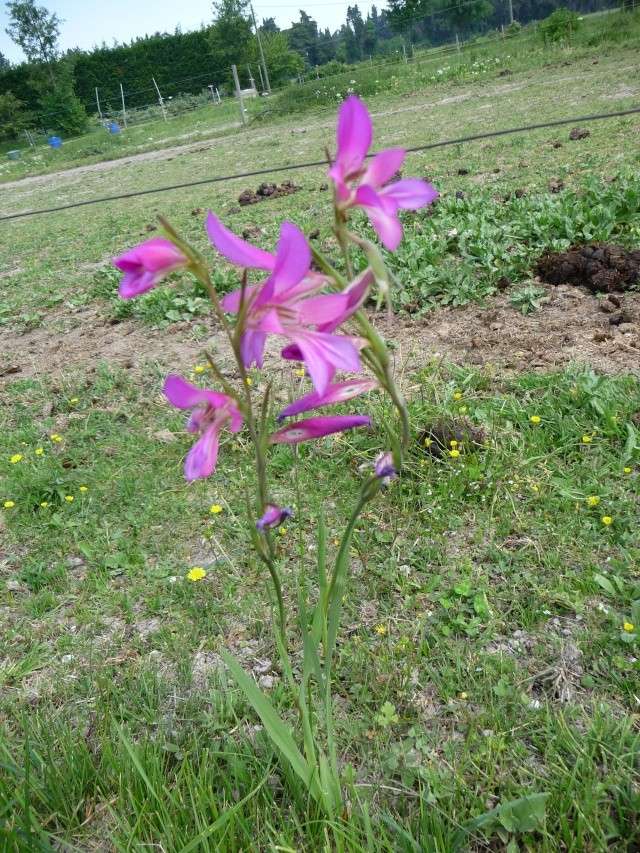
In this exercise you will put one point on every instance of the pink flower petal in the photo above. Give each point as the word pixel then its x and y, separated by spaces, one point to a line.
pixel 184 395
pixel 145 265
pixel 323 309
pixel 324 354
pixel 382 212
pixel 236 250
pixel 411 193
pixel 312 428
pixel 252 347
pixel 201 459
pixel 338 393
pixel 383 167
pixel 293 257
pixel 231 302
pixel 353 135
pixel 356 294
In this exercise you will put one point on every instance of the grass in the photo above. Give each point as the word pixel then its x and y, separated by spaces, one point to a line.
pixel 483 655
pixel 483 651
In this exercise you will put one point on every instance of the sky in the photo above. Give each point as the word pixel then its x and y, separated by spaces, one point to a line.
pixel 88 23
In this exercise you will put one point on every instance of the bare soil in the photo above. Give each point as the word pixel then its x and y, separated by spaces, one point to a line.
pixel 572 325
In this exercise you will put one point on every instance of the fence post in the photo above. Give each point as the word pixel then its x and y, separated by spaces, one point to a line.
pixel 164 112
pixel 404 52
pixel 262 86
pixel 252 82
pixel 98 103
pixel 264 61
pixel 457 43
pixel 124 111
pixel 218 94
pixel 236 81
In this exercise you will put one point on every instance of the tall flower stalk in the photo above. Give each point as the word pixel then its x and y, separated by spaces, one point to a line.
pixel 318 316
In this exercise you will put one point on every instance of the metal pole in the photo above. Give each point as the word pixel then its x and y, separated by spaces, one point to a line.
pixel 404 52
pixel 218 94
pixel 234 71
pixel 164 112
pixel 264 62
pixel 511 11
pixel 124 112
pixel 98 103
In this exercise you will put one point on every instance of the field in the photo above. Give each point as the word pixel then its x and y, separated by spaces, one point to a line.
pixel 488 650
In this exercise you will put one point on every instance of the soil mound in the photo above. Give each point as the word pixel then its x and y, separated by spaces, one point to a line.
pixel 600 267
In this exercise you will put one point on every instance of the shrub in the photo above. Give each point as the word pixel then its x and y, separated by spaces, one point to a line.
pixel 560 25
pixel 13 116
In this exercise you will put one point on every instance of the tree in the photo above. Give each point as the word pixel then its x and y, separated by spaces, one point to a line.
pixel 303 37
pixel 4 63
pixel 269 25
pixel 463 15
pixel 13 116
pixel 282 62
pixel 231 34
pixel 62 110
pixel 35 30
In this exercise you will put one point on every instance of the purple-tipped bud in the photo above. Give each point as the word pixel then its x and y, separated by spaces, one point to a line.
pixel 273 516
pixel 385 468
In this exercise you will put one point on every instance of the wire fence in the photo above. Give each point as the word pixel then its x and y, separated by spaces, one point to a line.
pixel 317 163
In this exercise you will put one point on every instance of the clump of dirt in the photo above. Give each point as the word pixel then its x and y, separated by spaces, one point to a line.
pixel 600 267
pixel 579 133
pixel 266 191
pixel 439 438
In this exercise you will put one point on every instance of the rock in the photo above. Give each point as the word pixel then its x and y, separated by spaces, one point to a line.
pixel 14 585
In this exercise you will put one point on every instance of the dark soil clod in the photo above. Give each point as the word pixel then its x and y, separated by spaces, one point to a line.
pixel 579 133
pixel 266 191
pixel 600 267
pixel 435 439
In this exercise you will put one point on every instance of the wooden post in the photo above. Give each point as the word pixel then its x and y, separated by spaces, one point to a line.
pixel 264 62
pixel 124 112
pixel 262 86
pixel 164 112
pixel 98 103
pixel 236 81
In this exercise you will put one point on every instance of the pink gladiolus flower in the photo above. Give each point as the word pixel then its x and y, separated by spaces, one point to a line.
pixel 338 393
pixel 369 187
pixel 273 516
pixel 211 411
pixel 146 265
pixel 312 428
pixel 284 305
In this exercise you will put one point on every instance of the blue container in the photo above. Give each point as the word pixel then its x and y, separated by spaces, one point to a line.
pixel 14 155
pixel 113 127
pixel 55 141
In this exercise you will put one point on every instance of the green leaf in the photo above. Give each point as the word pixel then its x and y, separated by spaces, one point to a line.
pixel 605 583
pixel 277 730
pixel 525 814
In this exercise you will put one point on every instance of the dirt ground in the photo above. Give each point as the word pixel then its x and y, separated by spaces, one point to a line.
pixel 570 326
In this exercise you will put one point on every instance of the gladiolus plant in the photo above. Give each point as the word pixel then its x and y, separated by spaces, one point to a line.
pixel 316 313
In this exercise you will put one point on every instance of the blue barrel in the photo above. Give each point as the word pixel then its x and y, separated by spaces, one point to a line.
pixel 113 127
pixel 55 141
pixel 14 155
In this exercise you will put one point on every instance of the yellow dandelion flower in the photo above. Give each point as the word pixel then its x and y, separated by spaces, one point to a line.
pixel 457 395
pixel 197 573
pixel 593 500
pixel 300 371
pixel 381 630
pixel 249 381
pixel 17 457
pixel 68 499
pixel 84 488
pixel 626 470
pixel 462 410
pixel 535 419
pixel 463 695
pixel 454 453
pixel 336 541
pixel 535 487
pixel 453 442
pixel 39 451
pixel 629 627
pixel 55 437
pixel 607 520
pixel 44 504
pixel 199 368
pixel 282 531
pixel 586 439
pixel 9 504
pixel 74 400
pixel 428 442
pixel 215 509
